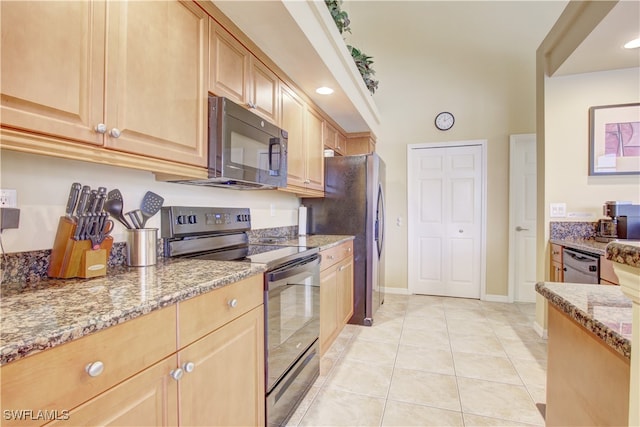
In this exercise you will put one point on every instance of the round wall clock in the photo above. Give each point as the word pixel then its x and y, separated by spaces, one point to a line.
pixel 444 120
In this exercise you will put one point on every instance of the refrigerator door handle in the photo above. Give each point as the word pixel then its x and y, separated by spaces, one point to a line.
pixel 379 225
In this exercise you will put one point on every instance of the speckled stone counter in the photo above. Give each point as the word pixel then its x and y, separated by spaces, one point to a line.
pixel 602 310
pixel 624 252
pixel 586 245
pixel 319 241
pixel 47 313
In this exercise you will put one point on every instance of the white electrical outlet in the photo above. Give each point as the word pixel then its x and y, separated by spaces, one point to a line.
pixel 557 210
pixel 9 198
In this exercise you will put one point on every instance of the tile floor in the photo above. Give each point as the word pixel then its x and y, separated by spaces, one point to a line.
pixel 432 361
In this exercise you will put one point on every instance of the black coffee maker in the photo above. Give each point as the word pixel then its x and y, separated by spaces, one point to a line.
pixel 623 221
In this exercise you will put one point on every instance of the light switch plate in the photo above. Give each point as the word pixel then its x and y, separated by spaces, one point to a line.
pixel 557 210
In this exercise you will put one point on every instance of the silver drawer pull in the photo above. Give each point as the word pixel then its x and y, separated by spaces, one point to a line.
pixel 188 366
pixel 233 303
pixel 176 374
pixel 94 369
pixel 329 256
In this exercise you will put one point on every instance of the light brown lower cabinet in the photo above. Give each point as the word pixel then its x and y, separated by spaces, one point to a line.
pixel 336 292
pixel 200 362
pixel 557 272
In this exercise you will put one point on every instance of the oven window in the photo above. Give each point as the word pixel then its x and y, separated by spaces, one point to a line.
pixel 293 321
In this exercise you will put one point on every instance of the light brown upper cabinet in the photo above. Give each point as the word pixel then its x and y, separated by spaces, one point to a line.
pixel 334 140
pixel 305 161
pixel 133 83
pixel 236 74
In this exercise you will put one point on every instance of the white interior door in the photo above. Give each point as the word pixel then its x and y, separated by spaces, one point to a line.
pixel 445 220
pixel 522 218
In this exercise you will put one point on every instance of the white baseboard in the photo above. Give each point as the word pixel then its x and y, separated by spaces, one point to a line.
pixel 496 298
pixel 398 291
pixel 540 330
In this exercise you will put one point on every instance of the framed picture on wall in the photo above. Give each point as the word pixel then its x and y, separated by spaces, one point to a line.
pixel 614 140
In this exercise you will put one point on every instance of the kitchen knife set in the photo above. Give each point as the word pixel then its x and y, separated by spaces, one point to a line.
pixel 83 243
pixel 85 208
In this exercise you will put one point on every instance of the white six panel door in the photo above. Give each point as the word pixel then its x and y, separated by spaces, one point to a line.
pixel 445 221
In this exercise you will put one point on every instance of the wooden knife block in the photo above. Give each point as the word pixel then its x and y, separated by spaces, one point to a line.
pixel 77 258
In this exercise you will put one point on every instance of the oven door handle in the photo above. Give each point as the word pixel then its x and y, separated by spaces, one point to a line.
pixel 293 270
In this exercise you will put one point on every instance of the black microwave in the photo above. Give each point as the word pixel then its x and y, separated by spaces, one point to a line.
pixel 245 151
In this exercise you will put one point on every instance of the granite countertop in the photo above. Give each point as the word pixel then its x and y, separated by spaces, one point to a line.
pixel 602 310
pixel 320 241
pixel 587 245
pixel 624 252
pixel 43 314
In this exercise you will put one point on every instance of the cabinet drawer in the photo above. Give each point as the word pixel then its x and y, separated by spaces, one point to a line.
pixel 206 313
pixel 556 253
pixel 56 379
pixel 335 254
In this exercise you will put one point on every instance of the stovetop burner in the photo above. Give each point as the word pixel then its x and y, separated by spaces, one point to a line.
pixel 220 234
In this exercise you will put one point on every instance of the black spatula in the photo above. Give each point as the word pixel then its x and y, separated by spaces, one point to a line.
pixel 151 205
pixel 114 205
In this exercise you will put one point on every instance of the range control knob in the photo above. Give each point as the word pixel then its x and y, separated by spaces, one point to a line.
pixel 181 219
pixel 192 219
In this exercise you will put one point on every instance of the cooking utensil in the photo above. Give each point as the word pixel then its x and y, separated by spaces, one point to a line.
pixel 135 218
pixel 114 206
pixel 102 227
pixel 151 205
pixel 74 193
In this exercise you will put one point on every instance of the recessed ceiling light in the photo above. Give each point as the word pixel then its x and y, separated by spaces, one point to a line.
pixel 633 44
pixel 324 90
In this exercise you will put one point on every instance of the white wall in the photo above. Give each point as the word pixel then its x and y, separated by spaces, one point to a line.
pixel 567 102
pixel 43 187
pixel 490 91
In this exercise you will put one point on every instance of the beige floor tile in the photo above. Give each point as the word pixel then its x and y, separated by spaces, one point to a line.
pixel 339 408
pixel 464 327
pixel 388 331
pixel 433 322
pixel 424 300
pixel 462 302
pixel 426 311
pixel 424 388
pixel 497 400
pixel 520 332
pixel 484 367
pixel 532 372
pixel 371 352
pixel 361 378
pixel 426 338
pixel 433 360
pixel 471 420
pixel 531 350
pixel 479 344
pixel 326 366
pixel 407 414
pixel 537 393
pixel 466 313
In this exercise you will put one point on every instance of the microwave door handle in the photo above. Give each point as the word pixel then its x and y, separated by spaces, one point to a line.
pixel 272 142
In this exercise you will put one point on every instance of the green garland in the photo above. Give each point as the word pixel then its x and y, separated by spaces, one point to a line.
pixel 363 61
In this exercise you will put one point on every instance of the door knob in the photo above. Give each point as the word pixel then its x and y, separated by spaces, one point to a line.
pixel 518 228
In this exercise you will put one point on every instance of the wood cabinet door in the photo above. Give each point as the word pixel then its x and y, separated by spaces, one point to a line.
pixel 149 398
pixel 156 96
pixel 226 386
pixel 315 150
pixel 345 290
pixel 330 134
pixel 328 308
pixel 229 65
pixel 265 90
pixel 292 120
pixel 52 67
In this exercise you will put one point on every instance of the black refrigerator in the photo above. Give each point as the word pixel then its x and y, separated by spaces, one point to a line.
pixel 354 205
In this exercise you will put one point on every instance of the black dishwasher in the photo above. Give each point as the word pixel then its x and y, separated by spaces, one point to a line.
pixel 580 267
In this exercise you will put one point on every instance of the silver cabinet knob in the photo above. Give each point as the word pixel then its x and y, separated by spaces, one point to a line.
pixel 307 181
pixel 329 256
pixel 348 249
pixel 188 366
pixel 233 303
pixel 518 228
pixel 176 374
pixel 115 133
pixel 101 128
pixel 94 369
